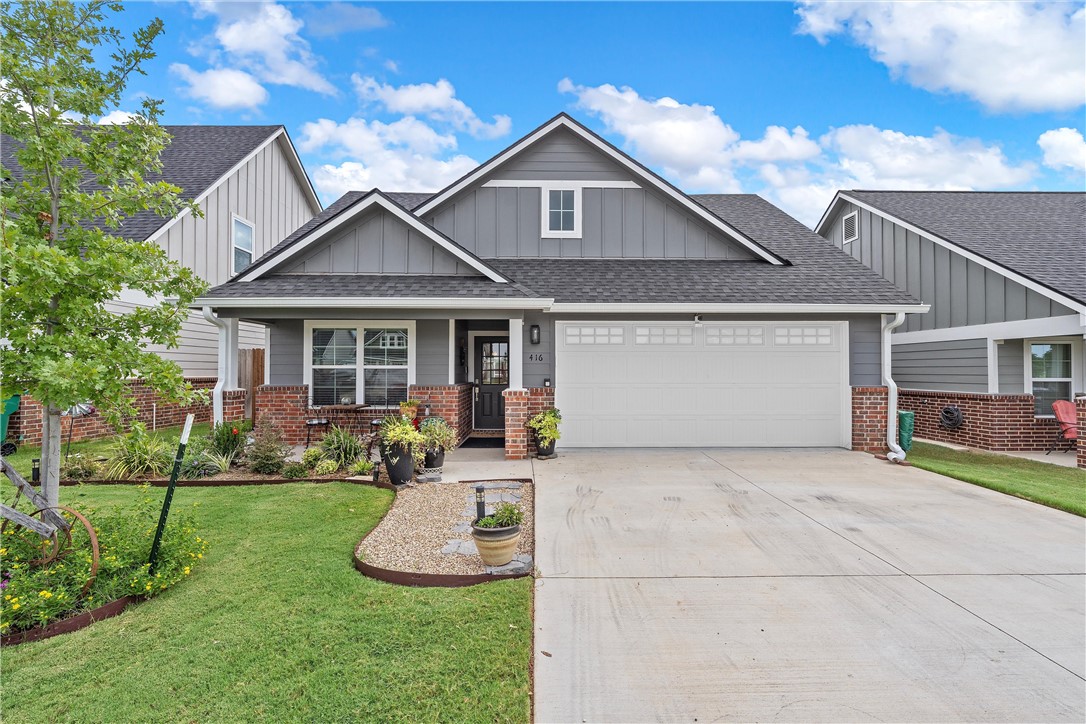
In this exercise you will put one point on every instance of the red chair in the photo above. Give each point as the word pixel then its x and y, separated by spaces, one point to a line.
pixel 1066 418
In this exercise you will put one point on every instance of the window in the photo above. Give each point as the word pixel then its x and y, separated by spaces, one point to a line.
pixel 359 364
pixel 738 336
pixel 595 335
pixel 1050 374
pixel 664 335
pixel 243 245
pixel 802 336
pixel 851 227
pixel 561 212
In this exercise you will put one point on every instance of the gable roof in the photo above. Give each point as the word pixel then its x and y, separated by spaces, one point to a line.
pixel 1038 235
pixel 197 159
pixel 564 120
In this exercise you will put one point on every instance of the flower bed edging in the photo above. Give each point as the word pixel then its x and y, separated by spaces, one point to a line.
pixel 70 624
pixel 203 483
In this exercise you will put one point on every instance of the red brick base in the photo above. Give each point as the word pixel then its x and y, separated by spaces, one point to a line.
pixel 1080 405
pixel 990 422
pixel 520 406
pixel 869 419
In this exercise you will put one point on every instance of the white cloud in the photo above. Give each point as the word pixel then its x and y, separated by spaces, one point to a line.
pixel 342 17
pixel 392 170
pixel 1009 56
pixel 361 138
pixel 436 101
pixel 1064 148
pixel 223 88
pixel 391 66
pixel 117 117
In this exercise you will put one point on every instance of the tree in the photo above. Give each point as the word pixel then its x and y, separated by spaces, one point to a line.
pixel 75 182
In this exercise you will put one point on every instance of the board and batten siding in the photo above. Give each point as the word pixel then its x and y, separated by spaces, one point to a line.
pixel 379 243
pixel 561 156
pixel 264 192
pixel 959 365
pixel 1011 366
pixel 961 292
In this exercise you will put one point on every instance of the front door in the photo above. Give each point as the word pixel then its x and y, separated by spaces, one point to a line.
pixel 491 379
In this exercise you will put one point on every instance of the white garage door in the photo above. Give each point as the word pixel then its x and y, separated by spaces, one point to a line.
pixel 637 384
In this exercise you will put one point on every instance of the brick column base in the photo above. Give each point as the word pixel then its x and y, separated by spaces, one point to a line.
pixel 1080 407
pixel 520 406
pixel 869 407
pixel 233 405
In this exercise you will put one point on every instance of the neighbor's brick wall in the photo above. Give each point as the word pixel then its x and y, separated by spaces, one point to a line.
pixel 991 422
pixel 151 410
pixel 869 406
pixel 520 406
pixel 1080 406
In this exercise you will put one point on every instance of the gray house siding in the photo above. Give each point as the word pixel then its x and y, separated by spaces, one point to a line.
pixel 959 365
pixel 1011 364
pixel 285 357
pixel 379 243
pixel 432 352
pixel 561 156
pixel 961 292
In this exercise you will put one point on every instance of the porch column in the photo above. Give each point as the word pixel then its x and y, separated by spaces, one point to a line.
pixel 516 353
pixel 228 365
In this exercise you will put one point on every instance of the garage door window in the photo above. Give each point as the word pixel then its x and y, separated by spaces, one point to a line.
pixel 735 336
pixel 595 335
pixel 664 335
pixel 808 336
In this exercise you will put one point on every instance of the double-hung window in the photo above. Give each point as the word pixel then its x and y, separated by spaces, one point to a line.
pixel 561 212
pixel 1050 374
pixel 367 363
pixel 242 235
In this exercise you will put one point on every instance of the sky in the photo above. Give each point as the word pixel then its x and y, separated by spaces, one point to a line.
pixel 791 101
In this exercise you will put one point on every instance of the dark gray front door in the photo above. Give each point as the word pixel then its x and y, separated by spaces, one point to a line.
pixel 491 379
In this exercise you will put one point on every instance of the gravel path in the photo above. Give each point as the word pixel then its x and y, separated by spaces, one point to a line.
pixel 420 523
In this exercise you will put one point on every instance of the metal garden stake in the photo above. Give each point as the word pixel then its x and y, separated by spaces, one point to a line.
pixel 169 491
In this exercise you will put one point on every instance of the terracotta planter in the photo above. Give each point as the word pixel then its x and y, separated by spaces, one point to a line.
pixel 496 545
pixel 410 413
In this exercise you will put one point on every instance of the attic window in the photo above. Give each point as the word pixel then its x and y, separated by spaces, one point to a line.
pixel 852 227
pixel 243 244
pixel 561 212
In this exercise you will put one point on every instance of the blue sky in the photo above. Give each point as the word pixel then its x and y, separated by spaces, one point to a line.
pixel 791 101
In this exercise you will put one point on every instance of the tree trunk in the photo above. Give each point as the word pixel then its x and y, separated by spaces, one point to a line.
pixel 50 454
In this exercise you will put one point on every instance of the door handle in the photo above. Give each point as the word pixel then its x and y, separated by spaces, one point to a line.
pixel 476 386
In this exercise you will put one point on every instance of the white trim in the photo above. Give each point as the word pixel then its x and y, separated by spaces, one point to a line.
pixel 1075 379
pixel 856 227
pixel 373 198
pixel 545 230
pixel 986 263
pixel 358 324
pixel 267 354
pixel 452 351
pixel 846 386
pixel 993 366
pixel 1069 324
pixel 373 302
pixel 501 183
pixel 564 121
pixel 516 353
pixel 234 218
pixel 697 308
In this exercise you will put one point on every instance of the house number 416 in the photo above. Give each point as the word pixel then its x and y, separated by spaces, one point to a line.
pixel 535 358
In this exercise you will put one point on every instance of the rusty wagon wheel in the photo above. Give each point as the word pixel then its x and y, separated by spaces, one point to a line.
pixel 59 551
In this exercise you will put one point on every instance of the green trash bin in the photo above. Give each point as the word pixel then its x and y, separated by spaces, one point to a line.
pixel 11 404
pixel 906 423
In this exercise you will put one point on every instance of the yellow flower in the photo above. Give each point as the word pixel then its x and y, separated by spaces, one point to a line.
pixel 45 594
pixel 3 551
pixel 7 597
pixel 14 607
pixel 199 555
pixel 187 570
pixel 148 586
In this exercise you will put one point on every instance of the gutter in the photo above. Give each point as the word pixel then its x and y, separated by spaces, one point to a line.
pixel 896 454
pixel 220 382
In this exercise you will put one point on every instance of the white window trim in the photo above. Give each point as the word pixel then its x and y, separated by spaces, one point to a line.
pixel 1028 367
pixel 234 218
pixel 544 203
pixel 855 215
pixel 359 325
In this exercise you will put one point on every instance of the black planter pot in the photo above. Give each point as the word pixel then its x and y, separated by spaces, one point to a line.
pixel 399 464
pixel 435 458
pixel 542 450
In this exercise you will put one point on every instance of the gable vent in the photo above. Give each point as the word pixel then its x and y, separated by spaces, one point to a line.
pixel 852 228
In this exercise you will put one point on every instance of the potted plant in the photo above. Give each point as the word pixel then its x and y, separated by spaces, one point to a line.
pixel 496 536
pixel 402 447
pixel 545 428
pixel 440 438
pixel 410 408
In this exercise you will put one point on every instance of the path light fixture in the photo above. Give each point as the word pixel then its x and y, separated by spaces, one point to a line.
pixel 480 502
pixel 35 470
pixel 533 334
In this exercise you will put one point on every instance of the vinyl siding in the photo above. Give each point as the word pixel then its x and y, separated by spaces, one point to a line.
pixel 961 292
pixel 959 365
pixel 561 156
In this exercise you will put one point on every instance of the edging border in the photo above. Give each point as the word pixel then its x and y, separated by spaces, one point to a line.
pixel 199 483
pixel 72 623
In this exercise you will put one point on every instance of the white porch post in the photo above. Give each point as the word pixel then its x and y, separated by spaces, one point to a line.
pixel 230 373
pixel 516 354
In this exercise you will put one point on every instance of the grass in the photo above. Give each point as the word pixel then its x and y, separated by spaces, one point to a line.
pixel 277 625
pixel 1051 485
pixel 22 460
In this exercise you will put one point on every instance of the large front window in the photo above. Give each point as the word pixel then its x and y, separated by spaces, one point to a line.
pixel 1050 368
pixel 364 364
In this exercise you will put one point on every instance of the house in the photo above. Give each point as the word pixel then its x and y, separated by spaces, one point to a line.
pixel 252 190
pixel 563 272
pixel 1005 274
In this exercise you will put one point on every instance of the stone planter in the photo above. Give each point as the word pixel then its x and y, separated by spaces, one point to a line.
pixel 496 545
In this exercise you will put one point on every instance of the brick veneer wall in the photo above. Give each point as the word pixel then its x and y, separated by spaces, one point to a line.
pixel 233 405
pixel 1080 406
pixel 990 422
pixel 452 402
pixel 151 410
pixel 520 406
pixel 869 405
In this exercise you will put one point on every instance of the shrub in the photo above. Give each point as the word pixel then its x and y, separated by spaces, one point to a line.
pixel 37 595
pixel 399 432
pixel 341 447
pixel 438 434
pixel 545 425
pixel 227 438
pixel 196 463
pixel 218 462
pixel 361 466
pixel 294 471
pixel 311 457
pixel 504 516
pixel 326 467
pixel 80 467
pixel 139 453
pixel 268 452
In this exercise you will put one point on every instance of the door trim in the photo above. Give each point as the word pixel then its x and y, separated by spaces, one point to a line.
pixel 471 359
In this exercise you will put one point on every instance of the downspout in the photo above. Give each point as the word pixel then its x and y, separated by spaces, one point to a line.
pixel 220 382
pixel 896 454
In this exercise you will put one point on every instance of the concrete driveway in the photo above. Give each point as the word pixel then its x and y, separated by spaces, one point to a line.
pixel 788 585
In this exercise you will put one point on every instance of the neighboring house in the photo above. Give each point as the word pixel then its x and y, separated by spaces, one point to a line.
pixel 562 272
pixel 1005 274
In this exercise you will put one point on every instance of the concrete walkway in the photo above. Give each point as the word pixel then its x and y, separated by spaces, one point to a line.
pixel 687 585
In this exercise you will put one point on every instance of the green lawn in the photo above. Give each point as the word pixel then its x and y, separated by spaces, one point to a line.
pixel 277 625
pixel 1051 485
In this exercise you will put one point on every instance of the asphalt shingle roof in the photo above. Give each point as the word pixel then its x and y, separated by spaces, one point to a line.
pixel 408 200
pixel 1040 235
pixel 197 157
pixel 368 285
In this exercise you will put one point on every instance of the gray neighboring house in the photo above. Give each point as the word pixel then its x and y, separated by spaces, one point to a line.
pixel 563 272
pixel 1005 273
